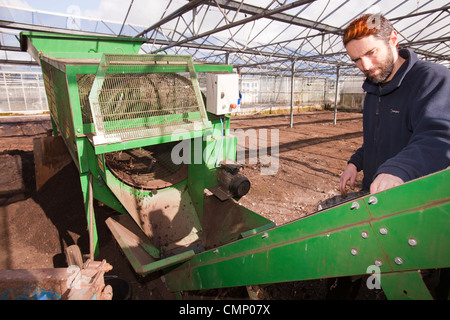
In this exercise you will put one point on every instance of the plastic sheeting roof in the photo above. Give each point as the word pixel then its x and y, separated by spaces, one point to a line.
pixel 256 36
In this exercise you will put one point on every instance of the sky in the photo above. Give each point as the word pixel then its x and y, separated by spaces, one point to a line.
pixel 147 12
pixel 143 12
pixel 61 6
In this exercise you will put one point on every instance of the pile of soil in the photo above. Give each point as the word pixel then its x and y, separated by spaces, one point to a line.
pixel 147 168
pixel 312 156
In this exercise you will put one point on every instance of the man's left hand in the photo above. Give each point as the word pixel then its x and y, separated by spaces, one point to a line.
pixel 385 181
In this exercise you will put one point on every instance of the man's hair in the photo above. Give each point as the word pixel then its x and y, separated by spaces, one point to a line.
pixel 367 25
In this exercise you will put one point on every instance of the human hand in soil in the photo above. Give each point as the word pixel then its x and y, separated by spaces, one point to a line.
pixel 349 175
pixel 385 181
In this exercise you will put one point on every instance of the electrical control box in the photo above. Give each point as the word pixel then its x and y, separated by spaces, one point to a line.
pixel 222 93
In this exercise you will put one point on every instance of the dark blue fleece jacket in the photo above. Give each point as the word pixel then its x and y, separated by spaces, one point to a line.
pixel 406 122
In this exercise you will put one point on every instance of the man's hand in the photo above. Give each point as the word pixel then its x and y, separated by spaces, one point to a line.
pixel 384 181
pixel 349 175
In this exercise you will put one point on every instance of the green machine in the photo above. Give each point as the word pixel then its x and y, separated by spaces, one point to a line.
pixel 144 143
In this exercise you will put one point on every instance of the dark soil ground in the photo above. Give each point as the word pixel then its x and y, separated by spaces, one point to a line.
pixel 36 225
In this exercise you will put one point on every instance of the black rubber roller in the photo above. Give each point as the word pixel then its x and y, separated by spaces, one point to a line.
pixel 239 185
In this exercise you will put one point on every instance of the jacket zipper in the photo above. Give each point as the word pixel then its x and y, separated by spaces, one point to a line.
pixel 377 111
pixel 377 127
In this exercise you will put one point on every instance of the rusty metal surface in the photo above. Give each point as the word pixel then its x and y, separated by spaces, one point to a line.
pixel 33 284
pixel 88 283
pixel 70 283
pixel 50 156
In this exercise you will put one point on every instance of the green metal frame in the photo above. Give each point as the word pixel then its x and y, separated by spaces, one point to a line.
pixel 64 57
pixel 57 45
pixel 146 64
pixel 342 241
pixel 400 231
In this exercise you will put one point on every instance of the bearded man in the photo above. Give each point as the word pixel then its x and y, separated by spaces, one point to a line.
pixel 406 116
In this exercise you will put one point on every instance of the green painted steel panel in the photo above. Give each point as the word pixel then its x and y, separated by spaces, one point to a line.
pixel 337 242
pixel 419 237
pixel 405 286
pixel 213 68
pixel 55 43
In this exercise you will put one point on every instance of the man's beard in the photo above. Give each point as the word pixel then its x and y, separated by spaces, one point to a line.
pixel 386 68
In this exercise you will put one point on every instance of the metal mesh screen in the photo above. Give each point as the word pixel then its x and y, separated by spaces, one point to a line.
pixel 139 96
pixel 84 82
